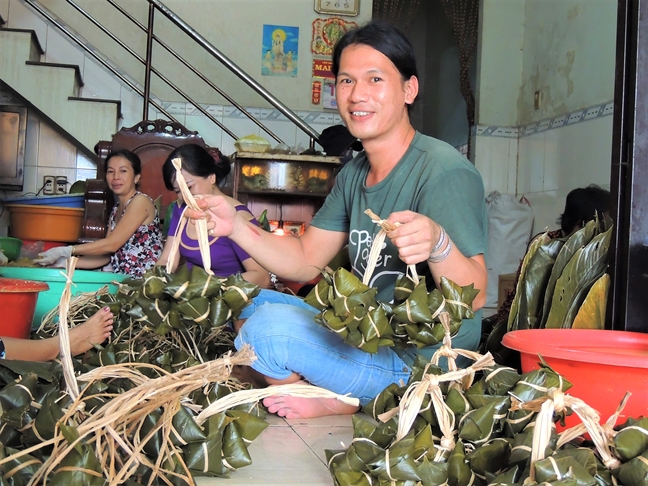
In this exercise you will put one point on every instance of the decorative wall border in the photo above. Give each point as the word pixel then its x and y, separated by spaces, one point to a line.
pixel 578 116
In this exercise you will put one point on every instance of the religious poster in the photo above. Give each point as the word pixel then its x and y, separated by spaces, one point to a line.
pixel 280 50
pixel 326 32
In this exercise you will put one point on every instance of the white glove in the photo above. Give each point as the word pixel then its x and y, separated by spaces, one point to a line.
pixel 3 258
pixel 54 256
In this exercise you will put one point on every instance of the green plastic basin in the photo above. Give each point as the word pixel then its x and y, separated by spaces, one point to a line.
pixel 83 281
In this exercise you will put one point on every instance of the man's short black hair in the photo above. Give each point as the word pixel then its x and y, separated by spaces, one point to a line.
pixel 582 205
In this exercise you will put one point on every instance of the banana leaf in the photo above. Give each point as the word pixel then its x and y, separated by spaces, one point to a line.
pixel 151 312
pixel 576 241
pixel 415 308
pixel 632 440
pixel 635 471
pixel 534 283
pixel 459 472
pixel 345 283
pixel 43 426
pixel 345 474
pixel 343 304
pixel 201 284
pixel 206 458
pixel 153 286
pixel 238 292
pixel 402 466
pixel 235 453
pixel 522 444
pixel 318 296
pixel 184 428
pixel 16 399
pixel 10 369
pixel 196 310
pixel 386 400
pixel 519 305
pixel 178 283
pixel 510 476
pixel 578 464
pixel 79 469
pixel 19 470
pixel 587 265
pixel 500 379
pixel 9 436
pixel 457 402
pixel 432 473
pixel 478 425
pixel 492 457
pixel 153 443
pixel 403 288
pixel 591 314
pixel 220 313
pixel 455 294
pixel 248 424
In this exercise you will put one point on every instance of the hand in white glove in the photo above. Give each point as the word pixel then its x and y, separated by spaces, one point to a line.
pixel 53 256
pixel 3 258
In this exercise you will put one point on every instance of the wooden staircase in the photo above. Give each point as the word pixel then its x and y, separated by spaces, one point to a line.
pixel 54 89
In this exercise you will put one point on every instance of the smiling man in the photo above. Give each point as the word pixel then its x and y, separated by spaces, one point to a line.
pixel 433 192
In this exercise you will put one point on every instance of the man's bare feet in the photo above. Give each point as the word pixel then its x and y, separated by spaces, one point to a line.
pixel 93 331
pixel 298 407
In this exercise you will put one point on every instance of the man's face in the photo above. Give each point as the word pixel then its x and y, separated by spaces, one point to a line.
pixel 371 93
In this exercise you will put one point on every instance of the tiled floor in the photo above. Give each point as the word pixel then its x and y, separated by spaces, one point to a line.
pixel 291 451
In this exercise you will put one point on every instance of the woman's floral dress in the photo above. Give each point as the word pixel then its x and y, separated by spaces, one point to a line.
pixel 142 249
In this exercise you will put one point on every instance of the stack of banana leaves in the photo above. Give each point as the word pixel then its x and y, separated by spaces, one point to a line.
pixel 165 325
pixel 562 281
pixel 349 307
pixel 491 442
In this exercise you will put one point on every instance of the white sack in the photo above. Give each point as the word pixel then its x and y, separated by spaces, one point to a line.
pixel 510 223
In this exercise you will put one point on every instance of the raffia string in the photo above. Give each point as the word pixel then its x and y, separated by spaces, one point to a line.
pixel 71 384
pixel 557 401
pixel 410 404
pixel 377 245
pixel 249 396
pixel 201 224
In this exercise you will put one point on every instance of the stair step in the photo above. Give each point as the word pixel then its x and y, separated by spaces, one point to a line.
pixel 99 100
pixel 36 50
pixel 2 21
pixel 77 72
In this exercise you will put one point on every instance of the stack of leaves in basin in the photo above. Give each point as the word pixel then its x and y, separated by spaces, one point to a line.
pixel 562 281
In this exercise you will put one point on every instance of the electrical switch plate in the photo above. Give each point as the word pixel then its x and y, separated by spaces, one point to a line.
pixel 537 99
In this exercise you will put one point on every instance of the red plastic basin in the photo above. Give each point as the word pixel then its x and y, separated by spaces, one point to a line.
pixel 602 365
pixel 17 305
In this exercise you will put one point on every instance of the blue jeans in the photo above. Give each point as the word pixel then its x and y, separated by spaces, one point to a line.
pixel 285 337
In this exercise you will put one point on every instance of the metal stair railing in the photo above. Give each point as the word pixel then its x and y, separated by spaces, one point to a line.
pixel 149 68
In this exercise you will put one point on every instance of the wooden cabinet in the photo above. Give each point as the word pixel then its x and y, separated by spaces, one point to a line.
pixel 290 187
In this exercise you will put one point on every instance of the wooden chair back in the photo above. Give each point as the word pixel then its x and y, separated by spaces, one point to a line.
pixel 152 141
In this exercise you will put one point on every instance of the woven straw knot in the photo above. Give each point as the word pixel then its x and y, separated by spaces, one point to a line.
pixel 447 443
pixel 558 398
pixel 432 380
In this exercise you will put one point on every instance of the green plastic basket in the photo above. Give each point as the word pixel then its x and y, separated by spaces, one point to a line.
pixel 83 281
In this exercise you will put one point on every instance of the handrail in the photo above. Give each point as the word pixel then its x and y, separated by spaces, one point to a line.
pixel 235 69
pixel 200 40
pixel 95 56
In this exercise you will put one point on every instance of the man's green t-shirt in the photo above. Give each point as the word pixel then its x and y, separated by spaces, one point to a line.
pixel 432 179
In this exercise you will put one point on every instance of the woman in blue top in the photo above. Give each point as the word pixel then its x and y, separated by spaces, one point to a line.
pixel 202 173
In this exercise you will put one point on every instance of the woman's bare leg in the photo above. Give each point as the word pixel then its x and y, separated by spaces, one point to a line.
pixel 94 331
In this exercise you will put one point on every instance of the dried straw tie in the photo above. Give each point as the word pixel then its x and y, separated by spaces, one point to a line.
pixel 412 400
pixel 201 224
pixel 64 336
pixel 557 401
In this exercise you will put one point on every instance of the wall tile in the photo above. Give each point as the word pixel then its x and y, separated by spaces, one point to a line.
pixel 493 156
pixel 85 162
pixel 54 150
pixel 61 50
pixel 83 174
pixel 31 138
pixel 99 82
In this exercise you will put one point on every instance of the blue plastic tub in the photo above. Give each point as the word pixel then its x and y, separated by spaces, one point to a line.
pixel 62 200
pixel 83 281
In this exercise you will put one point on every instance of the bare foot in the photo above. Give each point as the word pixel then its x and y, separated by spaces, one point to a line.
pixel 93 331
pixel 298 407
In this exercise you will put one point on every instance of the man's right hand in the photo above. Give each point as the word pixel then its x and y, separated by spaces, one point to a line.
pixel 219 213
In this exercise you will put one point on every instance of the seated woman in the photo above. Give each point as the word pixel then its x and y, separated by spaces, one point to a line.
pixel 94 331
pixel 202 173
pixel 133 242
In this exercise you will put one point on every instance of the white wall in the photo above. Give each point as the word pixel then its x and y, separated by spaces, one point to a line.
pixel 566 50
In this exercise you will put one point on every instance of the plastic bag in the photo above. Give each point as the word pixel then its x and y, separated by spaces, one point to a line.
pixel 510 223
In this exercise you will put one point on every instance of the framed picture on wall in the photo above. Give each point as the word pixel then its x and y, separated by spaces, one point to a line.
pixel 338 7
